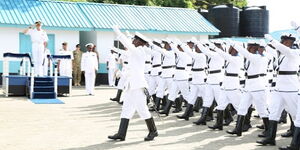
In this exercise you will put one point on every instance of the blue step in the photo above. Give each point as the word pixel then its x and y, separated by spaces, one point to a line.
pixel 43 95
pixel 43 83
pixel 43 79
pixel 43 89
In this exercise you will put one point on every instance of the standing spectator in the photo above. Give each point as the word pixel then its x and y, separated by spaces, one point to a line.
pixel 112 67
pixel 46 61
pixel 65 65
pixel 89 65
pixel 77 54
pixel 38 38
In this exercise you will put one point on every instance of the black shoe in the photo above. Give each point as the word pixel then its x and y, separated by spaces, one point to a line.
pixel 210 114
pixel 266 126
pixel 152 130
pixel 271 134
pixel 262 127
pixel 202 120
pixel 117 98
pixel 283 117
pixel 121 103
pixel 247 122
pixel 167 108
pixel 122 130
pixel 295 144
pixel 188 112
pixel 163 102
pixel 227 117
pixel 219 122
pixel 178 104
pixel 198 104
pixel 157 104
pixel 239 126
pixel 289 132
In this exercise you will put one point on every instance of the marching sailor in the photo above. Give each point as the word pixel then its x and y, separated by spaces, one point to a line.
pixel 135 85
pixel 254 87
pixel 287 87
pixel 197 86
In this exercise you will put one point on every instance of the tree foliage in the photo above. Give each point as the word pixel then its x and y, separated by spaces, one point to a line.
pixel 172 3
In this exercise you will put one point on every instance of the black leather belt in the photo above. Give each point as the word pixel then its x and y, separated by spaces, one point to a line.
pixel 242 81
pixel 197 69
pixel 167 67
pixel 180 68
pixel 147 62
pixel 231 74
pixel 214 71
pixel 189 65
pixel 287 72
pixel 125 62
pixel 253 76
pixel 156 65
pixel 262 75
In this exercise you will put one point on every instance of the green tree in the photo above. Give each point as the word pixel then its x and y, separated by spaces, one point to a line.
pixel 172 3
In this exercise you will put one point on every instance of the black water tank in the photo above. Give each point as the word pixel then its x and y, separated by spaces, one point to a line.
pixel 226 18
pixel 254 21
pixel 203 12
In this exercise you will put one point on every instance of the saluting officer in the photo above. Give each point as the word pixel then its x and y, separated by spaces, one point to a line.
pixel 134 96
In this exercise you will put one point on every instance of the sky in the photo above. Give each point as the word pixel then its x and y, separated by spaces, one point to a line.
pixel 281 12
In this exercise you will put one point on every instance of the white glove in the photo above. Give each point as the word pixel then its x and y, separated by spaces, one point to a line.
pixel 116 29
pixel 268 37
pixel 211 45
pixel 294 25
pixel 177 41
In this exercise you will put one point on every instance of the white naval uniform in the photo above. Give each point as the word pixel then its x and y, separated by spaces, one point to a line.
pixel 89 64
pixel 123 59
pixel 197 85
pixel 133 95
pixel 285 95
pixel 65 65
pixel 38 38
pixel 147 70
pixel 254 86
pixel 230 93
pixel 214 77
pixel 112 68
pixel 181 75
pixel 155 71
pixel 167 73
pixel 46 62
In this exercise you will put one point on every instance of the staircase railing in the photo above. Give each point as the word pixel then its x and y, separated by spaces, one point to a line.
pixel 24 58
pixel 55 72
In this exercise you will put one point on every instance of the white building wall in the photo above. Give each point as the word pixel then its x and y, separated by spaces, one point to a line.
pixel 9 40
pixel 71 37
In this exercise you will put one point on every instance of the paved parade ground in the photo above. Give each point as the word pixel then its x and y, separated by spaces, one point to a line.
pixel 84 122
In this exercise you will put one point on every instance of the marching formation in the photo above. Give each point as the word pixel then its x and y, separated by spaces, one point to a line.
pixel 232 78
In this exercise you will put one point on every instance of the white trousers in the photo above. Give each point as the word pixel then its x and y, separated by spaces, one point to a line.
pixel 111 76
pixel 135 100
pixel 38 57
pixel 90 82
pixel 229 97
pixel 153 83
pixel 211 92
pixel 164 83
pixel 182 86
pixel 257 98
pixel 197 90
pixel 121 83
pixel 283 100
